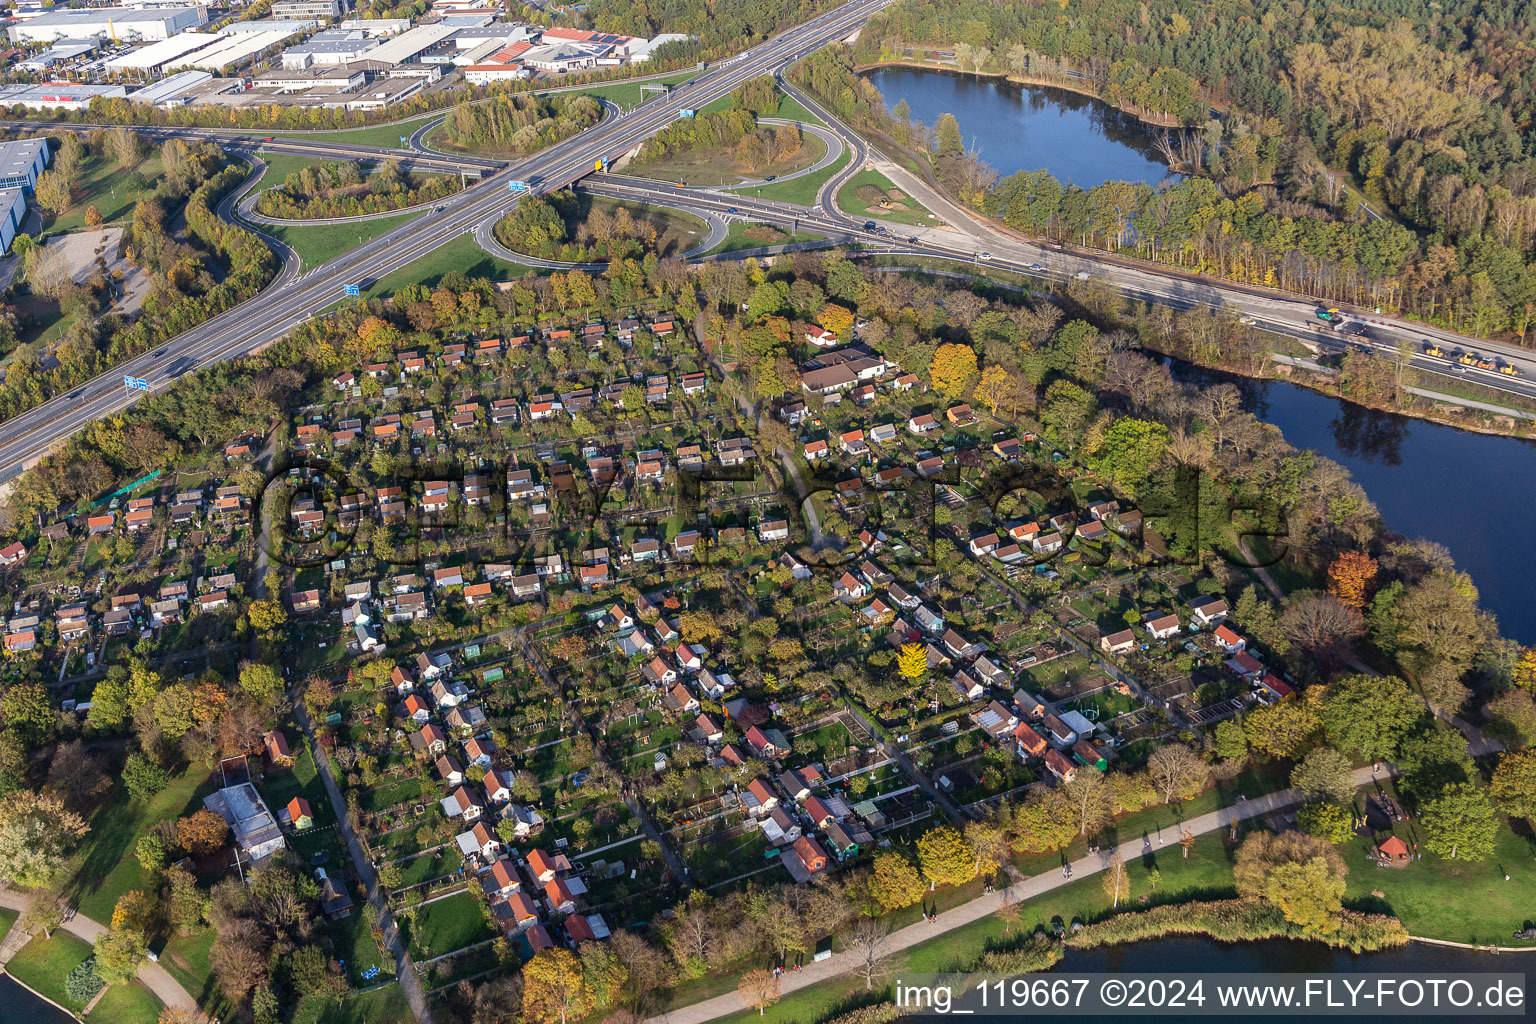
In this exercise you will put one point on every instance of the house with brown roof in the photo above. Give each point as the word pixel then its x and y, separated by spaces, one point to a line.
pixel 1121 642
pixel 278 751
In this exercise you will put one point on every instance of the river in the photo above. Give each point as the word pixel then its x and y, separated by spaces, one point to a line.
pixel 18 1003
pixel 1465 490
pixel 1081 140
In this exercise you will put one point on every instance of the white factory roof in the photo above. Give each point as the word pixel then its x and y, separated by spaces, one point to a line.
pixel 102 15
pixel 170 85
pixel 156 55
pixel 378 26
pixel 17 156
pixel 237 49
pixel 407 45
pixel 290 26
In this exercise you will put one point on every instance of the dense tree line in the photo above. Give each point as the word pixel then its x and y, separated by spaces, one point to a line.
pixel 183 292
pixel 341 189
pixel 520 124
pixel 734 131
pixel 1430 110
pixel 563 226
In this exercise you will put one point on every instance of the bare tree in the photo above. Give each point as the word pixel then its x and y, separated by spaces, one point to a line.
pixel 1176 769
pixel 1088 795
pixel 867 942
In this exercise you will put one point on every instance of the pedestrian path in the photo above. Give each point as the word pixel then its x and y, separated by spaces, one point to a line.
pixel 155 978
pixel 982 906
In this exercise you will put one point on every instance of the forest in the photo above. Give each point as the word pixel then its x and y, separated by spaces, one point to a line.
pixel 340 188
pixel 183 291
pixel 1296 113
pixel 517 125
pixel 565 226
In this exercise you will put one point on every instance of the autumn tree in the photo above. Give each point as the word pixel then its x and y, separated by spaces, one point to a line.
pixel 835 318
pixel 1302 875
pixel 1042 822
pixel 759 989
pixel 554 988
pixel 37 836
pixel 263 682
pixel 1321 625
pixel 894 882
pixel 1088 799
pixel 1115 880
pixel 1513 786
pixel 119 953
pixel 1287 728
pixel 53 192
pixel 945 857
pixel 1351 578
pixel 1525 668
pixel 201 833
pixel 912 662
pixel 952 370
pixel 1177 770
pixel 994 388
pixel 92 217
pixel 1329 822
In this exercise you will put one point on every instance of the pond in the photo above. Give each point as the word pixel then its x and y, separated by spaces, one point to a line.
pixel 1081 140
pixel 1465 490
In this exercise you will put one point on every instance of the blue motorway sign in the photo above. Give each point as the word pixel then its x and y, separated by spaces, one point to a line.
pixel 135 383
pixel 517 186
pixel 351 289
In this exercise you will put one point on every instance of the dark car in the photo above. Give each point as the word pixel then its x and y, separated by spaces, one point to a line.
pixel 869 225
pixel 770 177
pixel 730 209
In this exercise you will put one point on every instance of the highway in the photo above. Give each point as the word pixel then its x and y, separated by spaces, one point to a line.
pixel 968 237
pixel 245 329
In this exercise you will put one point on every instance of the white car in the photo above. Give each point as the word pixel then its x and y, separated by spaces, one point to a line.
pixel 986 255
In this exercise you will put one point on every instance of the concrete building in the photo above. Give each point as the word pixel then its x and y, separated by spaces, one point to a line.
pixel 292 26
pixel 310 8
pixel 57 95
pixel 157 56
pixel 407 46
pixel 13 210
pixel 381 27
pixel 121 24
pixel 58 53
pixel 22 161
pixel 173 90
pixel 328 49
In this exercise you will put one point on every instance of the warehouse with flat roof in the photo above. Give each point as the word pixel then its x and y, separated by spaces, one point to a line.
pixel 13 210
pixel 157 56
pixel 21 162
pixel 122 24
pixel 57 95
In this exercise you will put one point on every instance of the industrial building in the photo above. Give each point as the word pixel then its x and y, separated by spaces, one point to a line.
pixel 174 90
pixel 156 57
pixel 292 26
pixel 120 24
pixel 332 47
pixel 21 162
pixel 377 26
pixel 58 53
pixel 309 8
pixel 13 210
pixel 57 95
pixel 235 49
pixel 408 46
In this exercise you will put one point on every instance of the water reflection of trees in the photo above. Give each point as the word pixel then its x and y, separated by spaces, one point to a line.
pixel 1369 434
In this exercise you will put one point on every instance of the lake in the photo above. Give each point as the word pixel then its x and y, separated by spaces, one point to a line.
pixel 19 1003
pixel 1464 490
pixel 1280 955
pixel 1080 140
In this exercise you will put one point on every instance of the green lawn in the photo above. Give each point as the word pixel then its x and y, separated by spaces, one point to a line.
pixel 126 1004
pixel 1458 900
pixel 321 242
pixel 800 190
pixel 701 166
pixel 378 135
pixel 188 960
pixel 43 964
pixel 108 867
pixel 860 198
pixel 385 1005
pixel 280 165
pixel 101 183
pixel 7 918
pixel 460 254
pixel 741 236
pixel 790 109
pixel 447 925
pixel 1206 873
pixel 352 942
pixel 627 94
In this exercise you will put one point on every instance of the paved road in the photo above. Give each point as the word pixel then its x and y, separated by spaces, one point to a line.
pixel 270 315
pixel 982 906
pixel 155 978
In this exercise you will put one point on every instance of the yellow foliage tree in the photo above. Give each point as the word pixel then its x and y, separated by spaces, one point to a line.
pixel 835 318
pixel 554 988
pixel 952 370
pixel 992 390
pixel 1525 668
pixel 912 662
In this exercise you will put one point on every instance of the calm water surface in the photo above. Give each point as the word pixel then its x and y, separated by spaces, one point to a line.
pixel 1467 491
pixel 18 1004
pixel 1028 128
